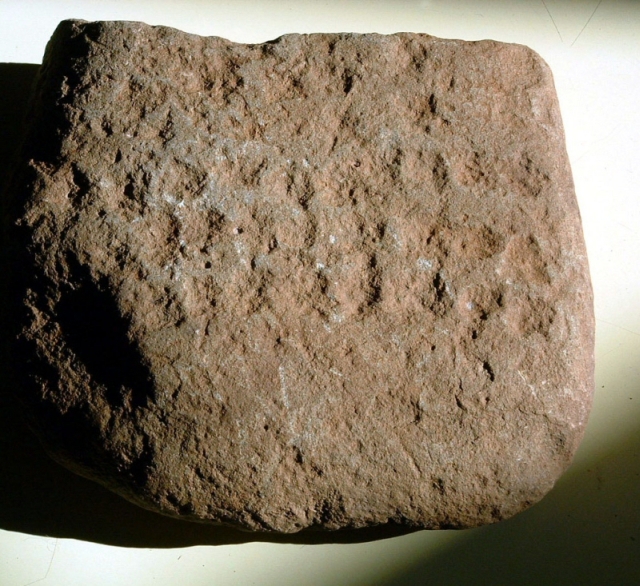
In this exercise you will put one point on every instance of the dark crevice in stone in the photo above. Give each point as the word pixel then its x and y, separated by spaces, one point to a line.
pixel 487 368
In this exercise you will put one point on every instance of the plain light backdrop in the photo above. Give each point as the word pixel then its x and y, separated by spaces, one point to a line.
pixel 586 531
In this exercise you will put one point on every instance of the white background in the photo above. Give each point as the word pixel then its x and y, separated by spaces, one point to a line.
pixel 587 531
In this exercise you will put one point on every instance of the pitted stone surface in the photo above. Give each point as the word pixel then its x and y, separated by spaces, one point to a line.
pixel 331 280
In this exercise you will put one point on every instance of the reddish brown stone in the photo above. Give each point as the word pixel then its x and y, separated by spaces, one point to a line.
pixel 332 280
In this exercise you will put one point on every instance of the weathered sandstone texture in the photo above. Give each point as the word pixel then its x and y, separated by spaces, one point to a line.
pixel 331 280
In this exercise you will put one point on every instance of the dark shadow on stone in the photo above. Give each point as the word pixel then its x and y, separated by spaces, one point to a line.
pixel 38 496
pixel 585 532
pixel 97 334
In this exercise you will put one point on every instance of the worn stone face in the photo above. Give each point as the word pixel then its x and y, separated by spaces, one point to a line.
pixel 329 280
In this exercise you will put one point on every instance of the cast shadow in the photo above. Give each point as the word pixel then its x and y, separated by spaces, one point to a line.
pixel 585 532
pixel 39 497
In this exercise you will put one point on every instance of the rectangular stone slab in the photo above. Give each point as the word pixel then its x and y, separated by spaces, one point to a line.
pixel 332 280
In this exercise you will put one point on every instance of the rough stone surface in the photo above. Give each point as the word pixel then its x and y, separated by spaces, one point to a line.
pixel 332 280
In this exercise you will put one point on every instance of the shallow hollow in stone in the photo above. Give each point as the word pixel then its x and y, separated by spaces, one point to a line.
pixel 333 280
